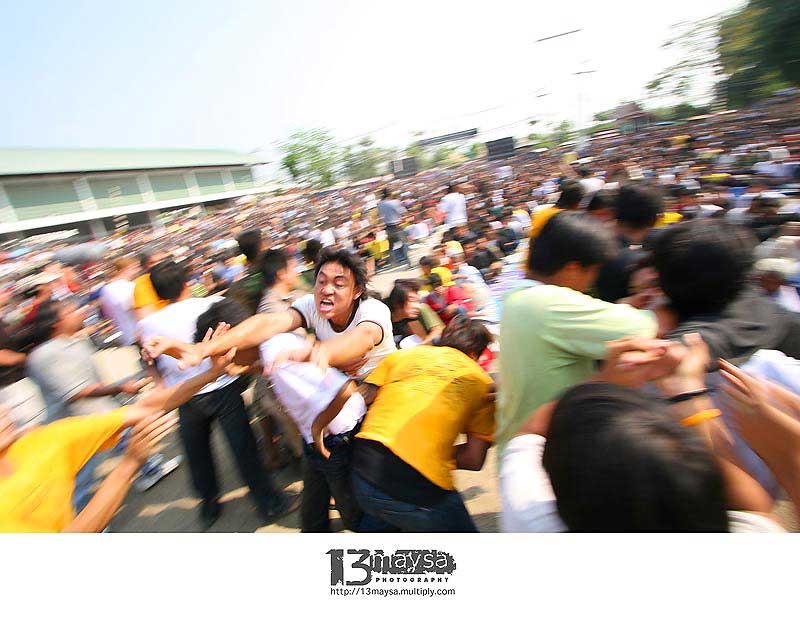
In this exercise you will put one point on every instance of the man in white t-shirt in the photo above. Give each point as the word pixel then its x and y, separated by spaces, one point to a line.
pixel 354 331
pixel 454 207
pixel 220 400
pixel 116 300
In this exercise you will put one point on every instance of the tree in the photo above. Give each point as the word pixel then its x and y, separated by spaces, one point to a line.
pixel 563 132
pixel 696 43
pixel 311 157
pixel 364 160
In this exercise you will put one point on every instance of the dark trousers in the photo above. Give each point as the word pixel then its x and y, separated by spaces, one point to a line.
pixel 226 406
pixel 396 234
pixel 383 513
pixel 324 478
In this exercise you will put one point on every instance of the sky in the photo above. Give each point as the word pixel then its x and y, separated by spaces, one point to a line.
pixel 245 74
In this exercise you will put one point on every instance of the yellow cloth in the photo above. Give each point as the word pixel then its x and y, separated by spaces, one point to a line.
pixel 37 496
pixel 541 217
pixel 144 294
pixel 668 218
pixel 445 274
pixel 427 396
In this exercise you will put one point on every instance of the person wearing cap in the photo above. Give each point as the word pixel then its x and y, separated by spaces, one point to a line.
pixel 446 298
pixel 773 275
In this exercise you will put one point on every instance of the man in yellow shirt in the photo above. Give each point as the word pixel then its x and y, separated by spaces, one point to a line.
pixel 145 298
pixel 404 455
pixel 38 468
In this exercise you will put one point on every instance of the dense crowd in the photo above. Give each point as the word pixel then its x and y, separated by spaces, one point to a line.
pixel 618 317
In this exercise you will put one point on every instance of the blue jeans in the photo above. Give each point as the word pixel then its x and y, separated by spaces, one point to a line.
pixel 396 234
pixel 383 513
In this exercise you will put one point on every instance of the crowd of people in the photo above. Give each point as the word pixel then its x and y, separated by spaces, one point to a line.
pixel 619 319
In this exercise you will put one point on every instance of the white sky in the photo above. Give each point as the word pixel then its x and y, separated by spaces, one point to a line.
pixel 244 74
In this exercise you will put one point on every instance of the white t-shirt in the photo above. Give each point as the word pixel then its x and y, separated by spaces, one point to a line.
pixel 454 207
pixel 116 299
pixel 305 391
pixel 529 504
pixel 369 310
pixel 591 185
pixel 179 321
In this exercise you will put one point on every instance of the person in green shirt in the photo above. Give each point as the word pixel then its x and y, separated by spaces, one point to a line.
pixel 411 316
pixel 551 332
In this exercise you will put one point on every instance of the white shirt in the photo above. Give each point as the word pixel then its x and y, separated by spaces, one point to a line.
pixel 179 321
pixel 327 238
pixel 369 310
pixel 116 299
pixel 305 391
pixel 454 207
pixel 591 185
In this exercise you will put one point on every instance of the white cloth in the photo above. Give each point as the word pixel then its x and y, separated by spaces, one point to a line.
pixel 116 300
pixel 305 391
pixel 591 185
pixel 369 310
pixel 454 207
pixel 179 321
pixel 529 504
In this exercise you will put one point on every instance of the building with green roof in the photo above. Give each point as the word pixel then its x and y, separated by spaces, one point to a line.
pixel 43 190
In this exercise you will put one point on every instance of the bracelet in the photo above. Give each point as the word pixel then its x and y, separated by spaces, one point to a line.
pixel 701 417
pixel 686 396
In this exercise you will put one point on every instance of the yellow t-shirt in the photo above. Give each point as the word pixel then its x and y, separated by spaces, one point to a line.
pixel 37 496
pixel 427 396
pixel 144 294
pixel 541 217
pixel 667 218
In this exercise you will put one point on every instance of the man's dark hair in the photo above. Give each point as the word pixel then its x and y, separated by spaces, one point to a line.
pixel 571 194
pixel 226 310
pixel 702 264
pixel 144 259
pixel 466 335
pixel 637 206
pixel 386 193
pixel 44 322
pixel 348 260
pixel 600 200
pixel 249 244
pixel 434 280
pixel 311 250
pixel 568 237
pixel 619 462
pixel 272 262
pixel 427 261
pixel 169 279
pixel 399 295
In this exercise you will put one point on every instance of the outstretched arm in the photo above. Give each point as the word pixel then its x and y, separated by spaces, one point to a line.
pixel 252 332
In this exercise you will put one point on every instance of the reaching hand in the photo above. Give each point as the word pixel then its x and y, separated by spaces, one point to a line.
pixel 632 361
pixel 147 434
pixel 187 354
pixel 319 441
pixel 8 430
pixel 692 359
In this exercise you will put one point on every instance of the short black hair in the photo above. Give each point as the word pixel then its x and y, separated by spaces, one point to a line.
pixel 466 335
pixel 619 462
pixel 434 280
pixel 638 206
pixel 571 194
pixel 702 264
pixel 272 262
pixel 386 193
pixel 311 250
pixel 600 200
pixel 226 310
pixel 144 258
pixel 249 244
pixel 399 295
pixel 169 279
pixel 427 261
pixel 44 322
pixel 570 237
pixel 348 260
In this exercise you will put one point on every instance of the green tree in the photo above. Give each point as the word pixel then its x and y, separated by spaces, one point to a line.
pixel 311 157
pixel 364 160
